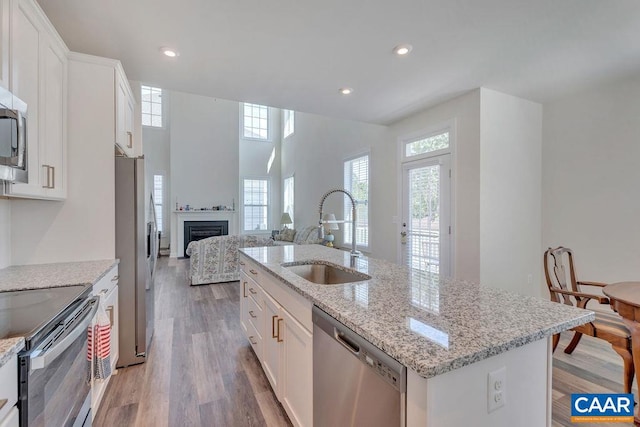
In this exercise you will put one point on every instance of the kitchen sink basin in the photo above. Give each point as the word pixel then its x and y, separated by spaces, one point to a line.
pixel 324 274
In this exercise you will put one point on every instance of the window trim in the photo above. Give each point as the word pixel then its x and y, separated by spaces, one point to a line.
pixel 269 137
pixel 162 108
pixel 269 198
pixel 163 205
pixel 292 214
pixel 367 247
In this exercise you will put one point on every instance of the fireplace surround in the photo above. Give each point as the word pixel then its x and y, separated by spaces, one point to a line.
pixel 198 230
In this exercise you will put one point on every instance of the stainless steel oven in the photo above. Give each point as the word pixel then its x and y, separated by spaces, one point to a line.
pixel 54 370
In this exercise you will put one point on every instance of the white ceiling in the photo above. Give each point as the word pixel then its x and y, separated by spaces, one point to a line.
pixel 296 53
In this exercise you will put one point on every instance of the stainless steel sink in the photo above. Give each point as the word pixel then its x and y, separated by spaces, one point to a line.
pixel 324 274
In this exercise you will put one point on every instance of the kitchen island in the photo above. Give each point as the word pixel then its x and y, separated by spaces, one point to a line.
pixel 449 334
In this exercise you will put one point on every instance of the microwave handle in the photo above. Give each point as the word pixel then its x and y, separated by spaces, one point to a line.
pixel 43 360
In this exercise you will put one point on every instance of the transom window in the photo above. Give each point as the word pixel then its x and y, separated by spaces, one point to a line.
pixel 151 106
pixel 289 123
pixel 256 204
pixel 256 121
pixel 356 181
pixel 439 141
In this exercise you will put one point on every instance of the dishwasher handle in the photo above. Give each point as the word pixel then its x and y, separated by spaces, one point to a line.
pixel 346 342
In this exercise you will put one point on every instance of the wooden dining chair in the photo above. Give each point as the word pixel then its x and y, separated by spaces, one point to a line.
pixel 564 288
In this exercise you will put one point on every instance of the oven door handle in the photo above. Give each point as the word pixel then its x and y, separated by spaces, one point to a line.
pixel 44 359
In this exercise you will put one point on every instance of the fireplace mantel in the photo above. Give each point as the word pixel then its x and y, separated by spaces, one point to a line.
pixel 179 217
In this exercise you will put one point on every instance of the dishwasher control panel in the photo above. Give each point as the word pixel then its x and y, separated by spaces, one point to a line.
pixel 382 369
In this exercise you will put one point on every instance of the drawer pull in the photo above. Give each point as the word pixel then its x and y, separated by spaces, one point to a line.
pixel 115 278
pixel 252 340
pixel 104 292
pixel 253 291
pixel 242 263
pixel 253 271
pixel 251 314
pixel 279 339
pixel 273 327
pixel 3 402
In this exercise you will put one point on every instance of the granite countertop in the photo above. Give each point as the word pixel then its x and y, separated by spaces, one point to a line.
pixel 40 276
pixel 430 325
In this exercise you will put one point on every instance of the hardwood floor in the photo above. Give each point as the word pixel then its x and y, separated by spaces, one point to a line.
pixel 202 372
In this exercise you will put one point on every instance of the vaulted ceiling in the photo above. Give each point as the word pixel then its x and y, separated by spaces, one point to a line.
pixel 296 54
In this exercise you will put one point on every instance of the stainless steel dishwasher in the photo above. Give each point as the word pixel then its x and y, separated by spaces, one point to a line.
pixel 354 382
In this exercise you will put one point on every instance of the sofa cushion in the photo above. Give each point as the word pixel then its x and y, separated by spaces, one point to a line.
pixel 307 236
pixel 286 235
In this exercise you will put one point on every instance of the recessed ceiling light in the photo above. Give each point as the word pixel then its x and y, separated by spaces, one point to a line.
pixel 346 90
pixel 171 53
pixel 402 49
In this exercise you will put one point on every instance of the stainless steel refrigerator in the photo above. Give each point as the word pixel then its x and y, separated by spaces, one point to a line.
pixel 136 293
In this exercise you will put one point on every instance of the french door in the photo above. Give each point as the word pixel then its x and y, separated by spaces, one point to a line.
pixel 426 215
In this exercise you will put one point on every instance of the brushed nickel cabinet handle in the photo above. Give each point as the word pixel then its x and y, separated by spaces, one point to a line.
pixel 252 341
pixel 279 339
pixel 244 289
pixel 130 143
pixel 242 263
pixel 273 327
pixel 3 402
pixel 252 314
pixel 53 177
pixel 115 278
pixel 253 291
pixel 47 185
pixel 253 271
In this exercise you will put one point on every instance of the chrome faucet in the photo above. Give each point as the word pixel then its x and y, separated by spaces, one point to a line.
pixel 354 252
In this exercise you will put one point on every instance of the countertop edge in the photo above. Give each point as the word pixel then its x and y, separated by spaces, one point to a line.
pixel 10 347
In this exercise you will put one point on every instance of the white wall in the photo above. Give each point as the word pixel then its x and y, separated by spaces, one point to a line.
pixel 5 233
pixel 465 111
pixel 510 192
pixel 83 226
pixel 253 160
pixel 204 153
pixel 591 179
pixel 314 154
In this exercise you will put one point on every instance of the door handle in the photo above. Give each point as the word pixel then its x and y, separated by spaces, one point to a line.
pixel 279 339
pixel 244 289
pixel 273 327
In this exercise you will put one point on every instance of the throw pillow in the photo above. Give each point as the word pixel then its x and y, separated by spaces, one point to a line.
pixel 287 235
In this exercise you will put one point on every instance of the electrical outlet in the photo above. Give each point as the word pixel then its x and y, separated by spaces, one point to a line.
pixel 530 279
pixel 497 389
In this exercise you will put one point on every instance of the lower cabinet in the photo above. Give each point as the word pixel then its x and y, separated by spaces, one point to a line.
pixel 284 344
pixel 9 393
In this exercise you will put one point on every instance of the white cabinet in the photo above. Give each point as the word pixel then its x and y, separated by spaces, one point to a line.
pixel 5 16
pixel 125 108
pixel 9 391
pixel 282 319
pixel 38 76
pixel 107 289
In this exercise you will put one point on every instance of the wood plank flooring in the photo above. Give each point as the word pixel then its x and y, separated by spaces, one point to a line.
pixel 202 372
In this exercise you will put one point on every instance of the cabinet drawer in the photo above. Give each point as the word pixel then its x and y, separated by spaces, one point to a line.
pixel 107 283
pixel 255 339
pixel 255 315
pixel 9 385
pixel 255 292
pixel 251 269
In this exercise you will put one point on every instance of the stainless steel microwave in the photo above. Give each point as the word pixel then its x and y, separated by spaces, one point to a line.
pixel 13 138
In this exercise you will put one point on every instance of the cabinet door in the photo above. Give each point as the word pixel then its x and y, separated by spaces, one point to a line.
pixel 5 7
pixel 297 375
pixel 272 340
pixel 25 72
pixel 111 306
pixel 53 110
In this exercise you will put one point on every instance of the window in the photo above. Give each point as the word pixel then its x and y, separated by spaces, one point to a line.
pixel 256 204
pixel 151 106
pixel 289 125
pixel 288 198
pixel 356 181
pixel 436 142
pixel 255 121
pixel 158 198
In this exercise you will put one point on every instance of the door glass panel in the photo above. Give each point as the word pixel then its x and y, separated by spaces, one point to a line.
pixel 423 228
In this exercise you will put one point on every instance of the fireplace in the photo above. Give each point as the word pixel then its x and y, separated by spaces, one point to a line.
pixel 197 230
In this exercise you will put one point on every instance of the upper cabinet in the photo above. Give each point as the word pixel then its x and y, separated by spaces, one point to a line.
pixel 125 109
pixel 38 76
